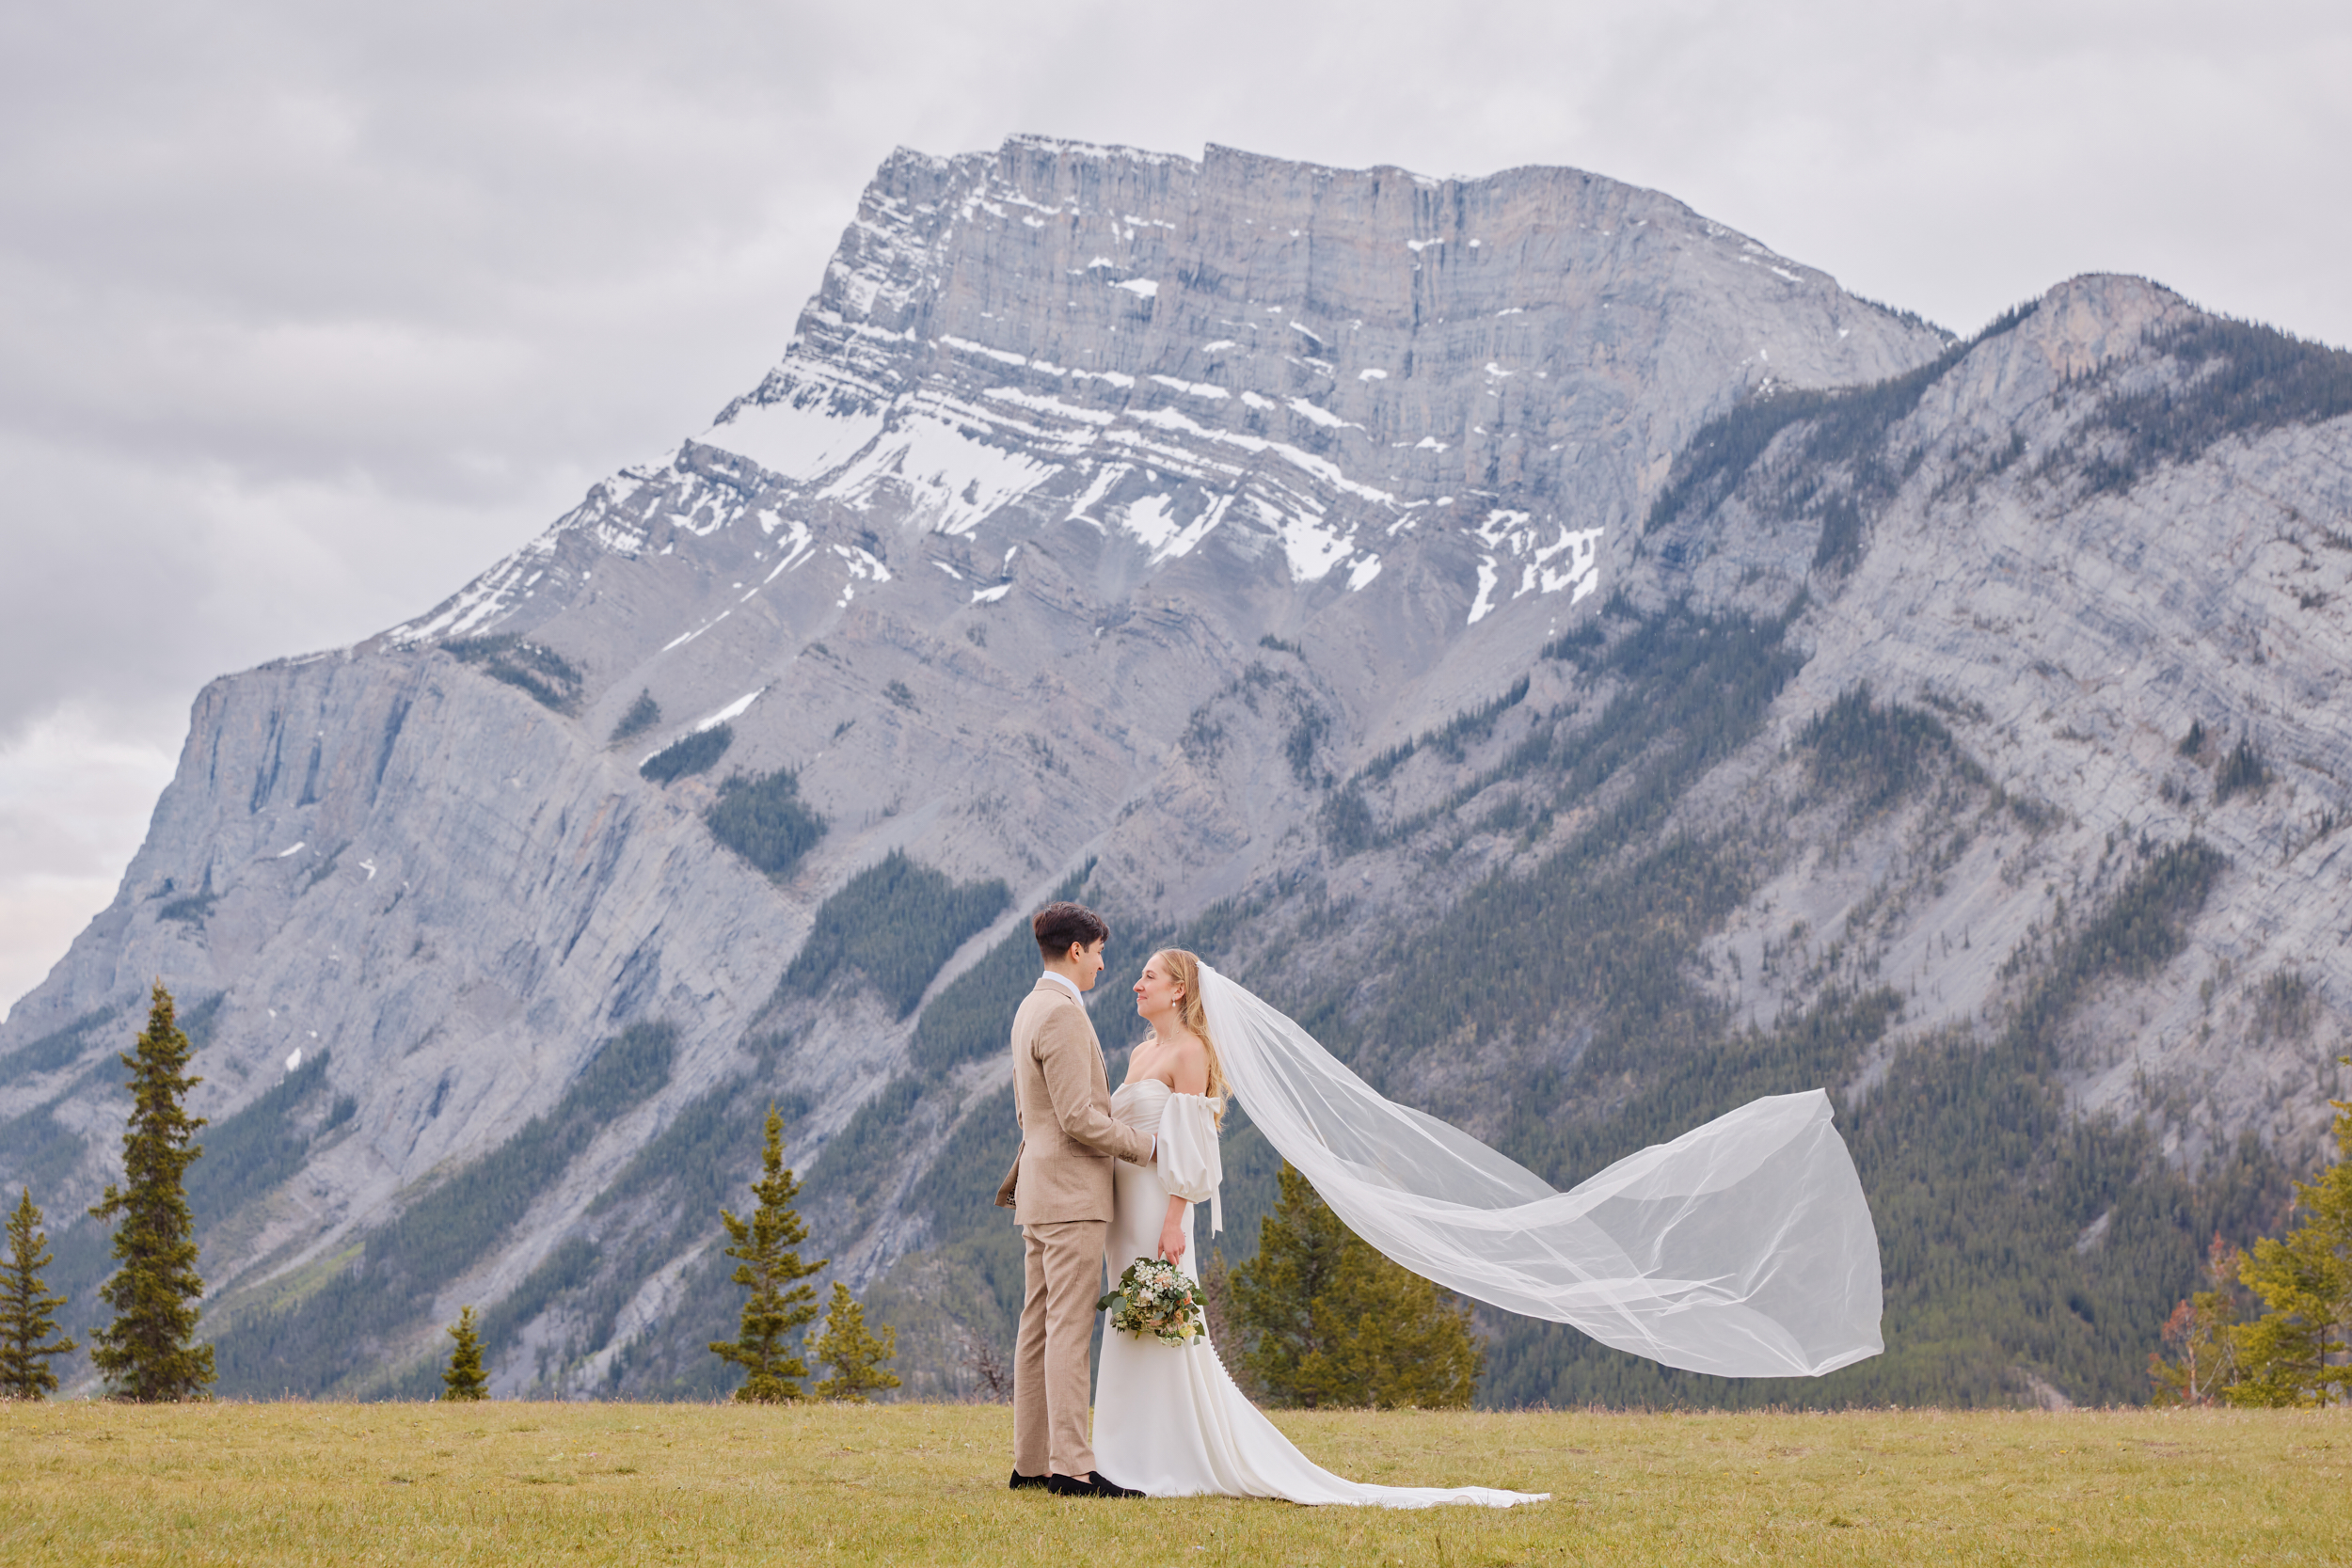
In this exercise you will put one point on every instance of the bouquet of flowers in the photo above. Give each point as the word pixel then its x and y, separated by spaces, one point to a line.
pixel 1154 1297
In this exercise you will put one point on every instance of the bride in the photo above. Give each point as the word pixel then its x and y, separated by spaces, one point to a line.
pixel 1742 1248
pixel 1169 1422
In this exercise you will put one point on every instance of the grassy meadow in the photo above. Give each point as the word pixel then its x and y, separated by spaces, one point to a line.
pixel 667 1483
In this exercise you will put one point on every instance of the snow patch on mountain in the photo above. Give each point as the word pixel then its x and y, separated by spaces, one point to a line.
pixel 796 439
pixel 949 478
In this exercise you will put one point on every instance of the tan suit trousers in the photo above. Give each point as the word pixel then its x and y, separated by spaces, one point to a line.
pixel 1052 1415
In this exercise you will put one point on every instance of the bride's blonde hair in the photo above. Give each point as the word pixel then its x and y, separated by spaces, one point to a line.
pixel 1184 969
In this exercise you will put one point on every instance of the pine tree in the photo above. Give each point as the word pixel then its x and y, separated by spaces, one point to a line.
pixel 27 1309
pixel 767 1245
pixel 2299 1351
pixel 465 1378
pixel 147 1353
pixel 1300 1245
pixel 852 1352
pixel 2202 1367
pixel 1333 1323
pixel 1389 1339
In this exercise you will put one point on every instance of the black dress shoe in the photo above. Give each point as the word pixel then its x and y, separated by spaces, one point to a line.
pixel 1089 1485
pixel 1020 1481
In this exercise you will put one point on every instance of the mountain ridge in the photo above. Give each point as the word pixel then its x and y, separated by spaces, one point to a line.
pixel 1298 585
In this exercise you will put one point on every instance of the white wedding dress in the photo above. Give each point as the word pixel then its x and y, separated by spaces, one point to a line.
pixel 1168 1420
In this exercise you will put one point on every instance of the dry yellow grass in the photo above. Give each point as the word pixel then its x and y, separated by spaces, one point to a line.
pixel 589 1484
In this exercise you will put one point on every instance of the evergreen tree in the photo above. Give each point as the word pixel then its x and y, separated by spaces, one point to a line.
pixel 1331 1321
pixel 27 1309
pixel 1389 1339
pixel 767 1244
pixel 852 1352
pixel 465 1378
pixel 2299 1351
pixel 1299 1244
pixel 2202 1367
pixel 147 1353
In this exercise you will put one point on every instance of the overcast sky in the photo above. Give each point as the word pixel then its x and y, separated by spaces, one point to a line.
pixel 310 310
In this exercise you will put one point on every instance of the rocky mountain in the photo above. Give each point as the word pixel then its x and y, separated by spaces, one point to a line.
pixel 1588 665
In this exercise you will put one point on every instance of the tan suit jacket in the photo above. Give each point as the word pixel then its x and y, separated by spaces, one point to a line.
pixel 1063 1099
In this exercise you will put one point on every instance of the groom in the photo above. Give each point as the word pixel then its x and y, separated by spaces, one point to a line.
pixel 1059 1192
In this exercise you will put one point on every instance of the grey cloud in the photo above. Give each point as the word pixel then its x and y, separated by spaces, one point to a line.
pixel 306 313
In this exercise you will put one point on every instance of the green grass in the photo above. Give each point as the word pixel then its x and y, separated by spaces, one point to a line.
pixel 501 1482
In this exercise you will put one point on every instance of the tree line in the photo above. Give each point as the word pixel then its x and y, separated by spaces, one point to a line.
pixel 149 1352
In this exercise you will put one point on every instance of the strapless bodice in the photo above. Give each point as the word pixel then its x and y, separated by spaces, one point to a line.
pixel 1186 1164
pixel 1141 1102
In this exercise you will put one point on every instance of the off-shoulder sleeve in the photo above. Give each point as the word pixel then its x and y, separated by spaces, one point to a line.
pixel 1189 1166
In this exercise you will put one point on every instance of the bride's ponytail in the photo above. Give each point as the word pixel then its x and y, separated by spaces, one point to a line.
pixel 1184 969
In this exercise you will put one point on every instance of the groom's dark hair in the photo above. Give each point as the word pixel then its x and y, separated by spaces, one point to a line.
pixel 1059 925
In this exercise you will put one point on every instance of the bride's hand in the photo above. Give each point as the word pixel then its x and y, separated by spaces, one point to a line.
pixel 1172 1240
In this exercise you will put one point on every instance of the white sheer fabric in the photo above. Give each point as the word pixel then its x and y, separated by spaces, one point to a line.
pixel 1168 1420
pixel 1743 1248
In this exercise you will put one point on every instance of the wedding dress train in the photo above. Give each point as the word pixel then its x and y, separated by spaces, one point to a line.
pixel 1168 1420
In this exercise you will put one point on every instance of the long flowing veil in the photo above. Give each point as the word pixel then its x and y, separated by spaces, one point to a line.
pixel 1743 1248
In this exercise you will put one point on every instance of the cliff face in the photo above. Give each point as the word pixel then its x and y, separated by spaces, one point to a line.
pixel 2100 545
pixel 1235 536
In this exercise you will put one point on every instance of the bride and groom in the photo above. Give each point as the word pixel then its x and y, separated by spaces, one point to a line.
pixel 1743 1247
